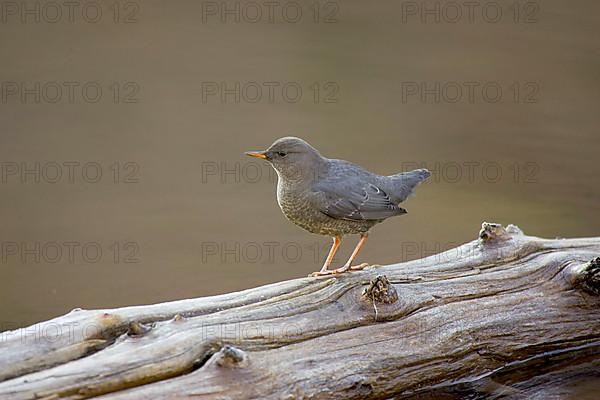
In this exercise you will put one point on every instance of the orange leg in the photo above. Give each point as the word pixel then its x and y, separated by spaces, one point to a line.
pixel 348 265
pixel 334 248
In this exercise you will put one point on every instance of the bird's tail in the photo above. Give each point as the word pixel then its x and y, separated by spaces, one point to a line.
pixel 404 183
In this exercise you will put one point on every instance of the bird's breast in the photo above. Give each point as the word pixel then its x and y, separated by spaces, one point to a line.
pixel 287 198
pixel 294 204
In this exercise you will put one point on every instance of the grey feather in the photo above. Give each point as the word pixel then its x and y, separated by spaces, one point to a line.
pixel 403 184
pixel 354 200
pixel 350 192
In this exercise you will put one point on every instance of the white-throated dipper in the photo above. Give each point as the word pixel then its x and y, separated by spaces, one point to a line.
pixel 334 197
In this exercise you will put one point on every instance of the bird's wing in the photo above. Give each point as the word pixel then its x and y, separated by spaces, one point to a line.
pixel 355 202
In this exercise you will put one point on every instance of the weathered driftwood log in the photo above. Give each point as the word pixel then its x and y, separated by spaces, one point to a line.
pixel 507 313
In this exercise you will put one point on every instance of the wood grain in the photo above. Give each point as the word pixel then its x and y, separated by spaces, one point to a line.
pixel 502 314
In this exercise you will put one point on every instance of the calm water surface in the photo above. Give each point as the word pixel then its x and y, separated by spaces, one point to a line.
pixel 379 87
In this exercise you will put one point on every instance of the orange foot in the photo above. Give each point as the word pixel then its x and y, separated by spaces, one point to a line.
pixel 340 270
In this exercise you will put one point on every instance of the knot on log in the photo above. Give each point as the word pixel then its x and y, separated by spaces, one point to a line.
pixel 137 329
pixel 491 231
pixel 178 318
pixel 106 325
pixel 590 276
pixel 231 357
pixel 380 290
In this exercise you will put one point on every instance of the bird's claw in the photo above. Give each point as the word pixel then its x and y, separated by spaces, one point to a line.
pixel 340 270
pixel 359 267
pixel 346 268
pixel 321 273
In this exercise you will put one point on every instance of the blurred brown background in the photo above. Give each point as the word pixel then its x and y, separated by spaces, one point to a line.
pixel 529 158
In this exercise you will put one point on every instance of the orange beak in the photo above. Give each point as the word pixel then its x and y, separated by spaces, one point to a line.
pixel 257 154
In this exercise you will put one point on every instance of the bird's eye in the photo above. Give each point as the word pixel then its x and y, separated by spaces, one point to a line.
pixel 281 154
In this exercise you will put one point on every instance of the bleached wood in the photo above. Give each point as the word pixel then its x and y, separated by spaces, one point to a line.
pixel 484 316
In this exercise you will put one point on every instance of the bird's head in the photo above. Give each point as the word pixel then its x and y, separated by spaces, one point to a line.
pixel 292 158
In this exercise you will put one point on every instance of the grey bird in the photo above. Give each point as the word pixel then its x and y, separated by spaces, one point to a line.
pixel 334 197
